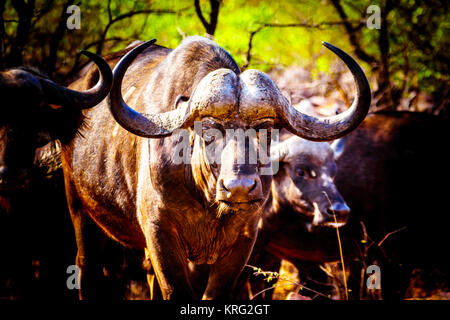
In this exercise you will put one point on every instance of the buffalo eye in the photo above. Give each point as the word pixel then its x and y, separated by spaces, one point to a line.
pixel 209 138
pixel 213 165
pixel 301 172
pixel 306 173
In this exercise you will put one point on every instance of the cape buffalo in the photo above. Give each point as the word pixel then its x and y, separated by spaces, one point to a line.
pixel 36 111
pixel 304 184
pixel 303 203
pixel 204 209
pixel 390 172
pixel 33 112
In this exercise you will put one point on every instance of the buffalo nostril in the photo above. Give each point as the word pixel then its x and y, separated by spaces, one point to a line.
pixel 222 185
pixel 244 185
pixel 339 209
pixel 240 188
pixel 253 186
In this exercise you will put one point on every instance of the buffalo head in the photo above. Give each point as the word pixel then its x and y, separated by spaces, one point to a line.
pixel 304 183
pixel 32 113
pixel 229 118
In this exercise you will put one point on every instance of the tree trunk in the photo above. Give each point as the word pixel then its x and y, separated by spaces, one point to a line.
pixel 56 39
pixel 25 13
pixel 213 16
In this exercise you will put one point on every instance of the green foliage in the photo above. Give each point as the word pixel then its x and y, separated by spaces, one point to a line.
pixel 419 45
pixel 418 33
pixel 271 47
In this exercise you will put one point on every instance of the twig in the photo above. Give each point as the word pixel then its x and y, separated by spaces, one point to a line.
pixel 317 282
pixel 267 289
pixel 276 275
pixel 250 45
pixel 112 20
pixel 289 25
pixel 351 32
pixel 310 25
pixel 181 32
pixel 76 65
pixel 390 234
pixel 270 288
pixel 328 273
pixel 213 15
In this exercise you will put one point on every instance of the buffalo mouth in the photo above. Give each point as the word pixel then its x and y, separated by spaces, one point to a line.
pixel 317 221
pixel 313 227
pixel 332 224
pixel 241 205
pixel 323 219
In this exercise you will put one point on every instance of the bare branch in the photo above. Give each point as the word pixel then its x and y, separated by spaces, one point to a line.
pixel 275 275
pixel 125 16
pixel 262 26
pixel 39 13
pixel 213 16
pixel 250 45
pixel 390 234
pixel 109 11
pixel 319 26
pixel 351 32
pixel 198 10
pixel 77 67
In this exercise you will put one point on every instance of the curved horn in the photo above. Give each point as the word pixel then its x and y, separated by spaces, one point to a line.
pixel 330 128
pixel 57 94
pixel 144 125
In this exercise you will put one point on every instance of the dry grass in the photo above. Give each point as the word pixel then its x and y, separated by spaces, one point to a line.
pixel 289 281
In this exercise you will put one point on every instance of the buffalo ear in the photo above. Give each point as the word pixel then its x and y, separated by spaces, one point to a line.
pixel 45 119
pixel 338 147
pixel 180 99
pixel 44 137
pixel 278 152
pixel 59 123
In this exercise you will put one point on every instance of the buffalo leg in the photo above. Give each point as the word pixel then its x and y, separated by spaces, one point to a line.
pixel 225 272
pixel 169 265
pixel 155 291
pixel 89 240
